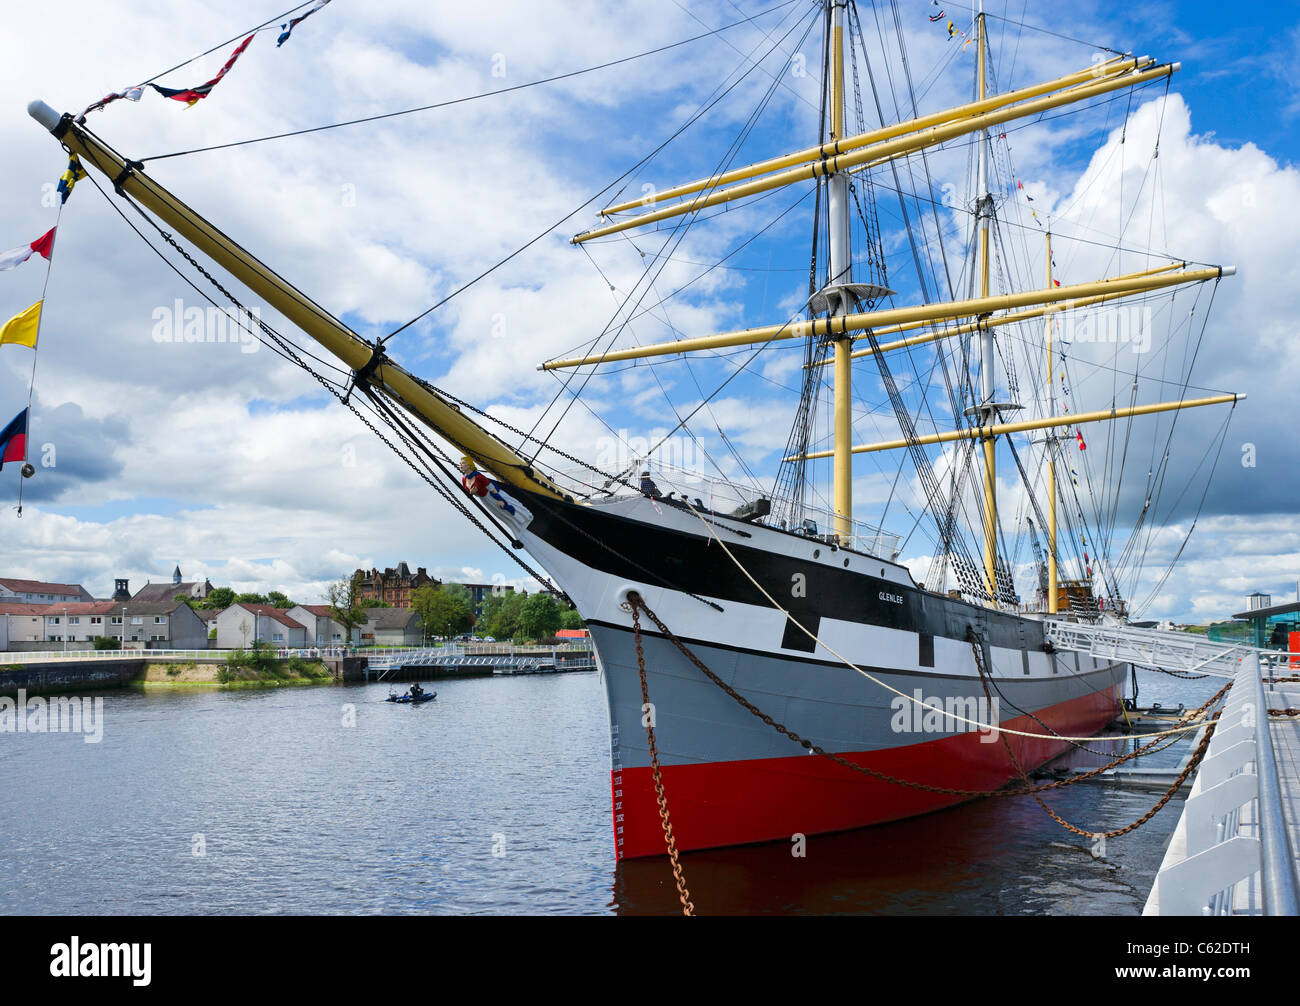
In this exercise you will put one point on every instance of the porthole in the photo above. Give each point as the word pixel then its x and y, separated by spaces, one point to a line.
pixel 846 563
pixel 817 553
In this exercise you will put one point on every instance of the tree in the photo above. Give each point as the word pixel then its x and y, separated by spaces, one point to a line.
pixel 279 600
pixel 251 598
pixel 500 616
pixel 444 612
pixel 539 616
pixel 219 598
pixel 570 619
pixel 346 605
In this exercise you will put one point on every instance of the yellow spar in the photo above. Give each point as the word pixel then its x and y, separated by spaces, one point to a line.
pixel 441 415
pixel 878 151
pixel 839 146
pixel 1024 425
pixel 975 307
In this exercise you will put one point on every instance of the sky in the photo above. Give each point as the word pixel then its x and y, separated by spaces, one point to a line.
pixel 153 451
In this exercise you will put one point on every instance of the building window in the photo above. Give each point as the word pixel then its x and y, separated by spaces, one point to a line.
pixel 96 620
pixel 74 620
pixel 136 620
pixel 159 620
pixel 115 620
pixel 156 639
pixel 277 637
pixel 54 620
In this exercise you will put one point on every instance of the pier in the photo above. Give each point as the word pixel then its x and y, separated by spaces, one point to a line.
pixel 453 661
pixel 1233 851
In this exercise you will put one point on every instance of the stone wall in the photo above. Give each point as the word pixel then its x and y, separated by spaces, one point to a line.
pixel 67 675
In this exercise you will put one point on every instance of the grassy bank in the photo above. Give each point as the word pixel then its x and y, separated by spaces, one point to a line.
pixel 242 669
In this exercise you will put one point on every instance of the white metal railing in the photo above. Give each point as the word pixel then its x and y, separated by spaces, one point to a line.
pixel 1231 852
pixel 1170 651
pixel 10 657
pixel 721 495
pixel 413 656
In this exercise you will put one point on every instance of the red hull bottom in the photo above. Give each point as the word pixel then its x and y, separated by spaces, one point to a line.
pixel 739 802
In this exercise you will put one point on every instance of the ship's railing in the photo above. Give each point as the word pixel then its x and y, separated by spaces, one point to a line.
pixel 1231 851
pixel 721 495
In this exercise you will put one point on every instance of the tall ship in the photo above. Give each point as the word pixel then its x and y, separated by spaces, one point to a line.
pixel 772 668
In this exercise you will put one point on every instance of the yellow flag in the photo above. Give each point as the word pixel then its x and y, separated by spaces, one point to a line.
pixel 21 328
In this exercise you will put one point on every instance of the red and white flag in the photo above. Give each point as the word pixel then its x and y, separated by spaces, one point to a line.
pixel 17 256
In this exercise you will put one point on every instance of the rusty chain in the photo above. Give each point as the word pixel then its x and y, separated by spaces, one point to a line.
pixel 688 908
pixel 1192 763
pixel 637 604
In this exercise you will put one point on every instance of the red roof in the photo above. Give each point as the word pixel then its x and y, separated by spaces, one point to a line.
pixel 40 587
pixel 571 634
pixel 58 608
pixel 275 613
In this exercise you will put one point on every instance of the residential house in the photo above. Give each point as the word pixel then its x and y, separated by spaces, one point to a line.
pixel 14 591
pixel 480 592
pixel 321 627
pixel 31 626
pixel 392 627
pixel 164 625
pixel 241 625
pixel 392 585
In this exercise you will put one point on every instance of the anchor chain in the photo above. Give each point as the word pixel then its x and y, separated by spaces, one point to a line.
pixel 637 604
pixel 688 908
pixel 1192 763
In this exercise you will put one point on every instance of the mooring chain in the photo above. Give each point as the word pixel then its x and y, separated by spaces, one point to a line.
pixel 1193 762
pixel 637 603
pixel 648 719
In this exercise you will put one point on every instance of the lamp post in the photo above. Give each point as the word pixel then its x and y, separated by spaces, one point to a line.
pixel 65 628
pixel 123 627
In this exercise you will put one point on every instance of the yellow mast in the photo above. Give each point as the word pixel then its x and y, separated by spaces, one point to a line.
pixel 987 412
pixel 1051 455
pixel 839 273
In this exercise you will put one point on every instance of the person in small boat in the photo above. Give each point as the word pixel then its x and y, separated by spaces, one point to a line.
pixel 416 690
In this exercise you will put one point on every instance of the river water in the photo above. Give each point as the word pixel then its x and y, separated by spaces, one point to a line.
pixel 491 800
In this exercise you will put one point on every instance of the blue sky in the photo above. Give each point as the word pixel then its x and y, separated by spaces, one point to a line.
pixel 235 463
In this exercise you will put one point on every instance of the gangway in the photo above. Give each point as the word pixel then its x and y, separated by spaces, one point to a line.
pixel 1154 648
